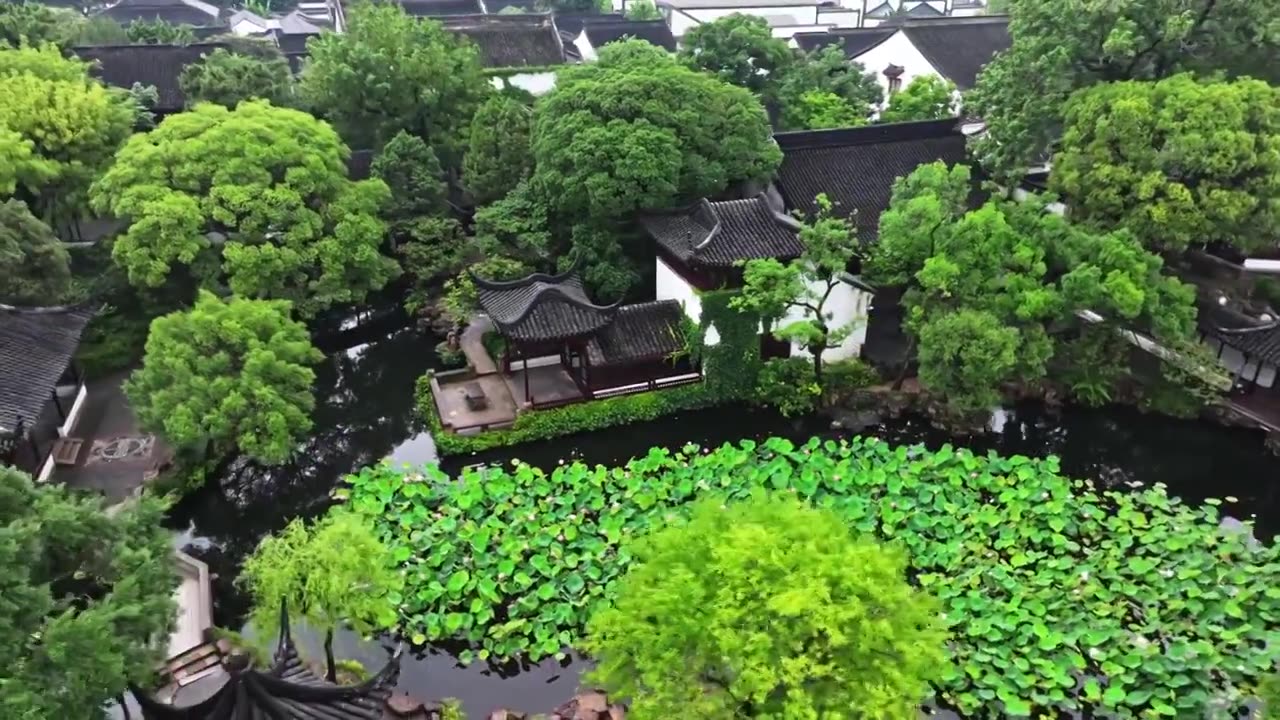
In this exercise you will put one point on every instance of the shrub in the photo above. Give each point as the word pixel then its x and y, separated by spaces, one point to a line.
pixel 777 612
pixel 843 378
pixel 1060 597
pixel 788 385
pixel 557 422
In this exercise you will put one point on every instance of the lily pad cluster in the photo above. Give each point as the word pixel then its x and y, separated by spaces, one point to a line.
pixel 1059 596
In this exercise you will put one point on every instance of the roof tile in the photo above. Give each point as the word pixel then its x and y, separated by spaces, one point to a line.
pixel 36 346
pixel 724 233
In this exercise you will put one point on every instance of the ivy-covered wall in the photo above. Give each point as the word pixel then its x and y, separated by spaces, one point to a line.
pixel 732 364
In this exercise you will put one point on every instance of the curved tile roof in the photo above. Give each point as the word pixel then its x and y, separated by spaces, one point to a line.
pixel 725 233
pixel 542 308
pixel 36 347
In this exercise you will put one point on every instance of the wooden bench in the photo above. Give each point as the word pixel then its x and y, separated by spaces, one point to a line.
pixel 474 395
pixel 67 450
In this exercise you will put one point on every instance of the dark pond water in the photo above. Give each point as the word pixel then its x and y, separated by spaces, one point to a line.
pixel 365 412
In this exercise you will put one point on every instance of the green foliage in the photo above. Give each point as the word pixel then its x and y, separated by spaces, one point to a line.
pixel 518 226
pixel 826 71
pixel 1022 275
pixel 777 612
pixel 638 130
pixel 732 364
pixel 788 385
pixel 36 265
pixel 818 110
pixel 159 32
pixel 270 184
pixel 498 157
pixel 390 72
pixel 927 97
pixel 409 167
pixel 606 257
pixel 333 572
pixel 573 6
pixel 88 598
pixel 1176 162
pixel 1059 596
pixel 31 24
pixel 805 284
pixel 227 376
pixel 1269 694
pixel 1022 93
pixel 69 125
pixel 460 301
pixel 740 50
pixel 639 10
pixel 227 78
pixel 843 378
pixel 567 420
pixel 98 30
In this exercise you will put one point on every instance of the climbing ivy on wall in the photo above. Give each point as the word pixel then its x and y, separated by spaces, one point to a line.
pixel 731 365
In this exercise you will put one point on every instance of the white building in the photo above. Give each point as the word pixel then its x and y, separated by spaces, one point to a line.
pixel 954 48
pixel 701 248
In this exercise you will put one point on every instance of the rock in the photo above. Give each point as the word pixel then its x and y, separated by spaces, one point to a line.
pixel 404 705
pixel 590 705
pixel 617 712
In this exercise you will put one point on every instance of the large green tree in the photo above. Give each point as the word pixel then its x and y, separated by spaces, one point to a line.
pixel 87 599
pixel 1016 268
pixel 28 23
pixel 767 609
pixel 1176 162
pixel 332 572
pixel 809 83
pixel 256 197
pixel 390 72
pixel 71 124
pixel 160 32
pixel 927 97
pixel 36 265
pixel 498 154
pixel 226 78
pixel 740 50
pixel 639 130
pixel 804 286
pixel 227 376
pixel 1022 93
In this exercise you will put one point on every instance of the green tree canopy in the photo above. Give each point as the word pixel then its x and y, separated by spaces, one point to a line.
pixel 927 97
pixel 498 155
pixel 390 72
pixel 71 124
pixel 1019 268
pixel 638 10
pixel 1023 92
pixel 159 32
pixel 226 78
pixel 29 23
pixel 332 572
pixel 227 376
pixel 639 130
pixel 804 285
pixel 767 609
pixel 740 50
pixel 257 197
pixel 36 265
pixel 1176 162
pixel 88 598
pixel 817 74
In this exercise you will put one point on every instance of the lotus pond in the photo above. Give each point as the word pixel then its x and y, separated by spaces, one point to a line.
pixel 365 413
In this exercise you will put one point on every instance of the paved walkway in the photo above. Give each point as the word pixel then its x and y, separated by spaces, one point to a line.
pixel 472 342
pixel 116 453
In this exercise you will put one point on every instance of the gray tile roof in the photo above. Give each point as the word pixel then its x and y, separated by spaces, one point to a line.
pixel 441 8
pixel 725 233
pixel 654 32
pixel 856 41
pixel 959 47
pixel 156 65
pixel 924 9
pixel 175 12
pixel 856 167
pixel 511 40
pixel 36 346
pixel 1255 338
pixel 644 332
pixel 542 308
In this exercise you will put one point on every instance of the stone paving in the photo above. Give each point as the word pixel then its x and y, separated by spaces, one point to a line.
pixel 117 455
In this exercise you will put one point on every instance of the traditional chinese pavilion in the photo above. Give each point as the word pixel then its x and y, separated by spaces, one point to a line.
pixel 286 689
pixel 548 320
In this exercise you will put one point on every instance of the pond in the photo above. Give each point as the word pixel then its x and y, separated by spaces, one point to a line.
pixel 364 413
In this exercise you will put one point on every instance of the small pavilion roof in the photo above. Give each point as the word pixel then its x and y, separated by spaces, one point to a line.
pixel 654 32
pixel 287 689
pixel 176 12
pixel 643 332
pixel 36 347
pixel 1255 338
pixel 542 308
pixel 505 41
pixel 725 233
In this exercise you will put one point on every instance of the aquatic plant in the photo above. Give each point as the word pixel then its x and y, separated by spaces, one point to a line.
pixel 1059 596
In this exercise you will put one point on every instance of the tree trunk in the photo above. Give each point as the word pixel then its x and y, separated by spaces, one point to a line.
pixel 817 361
pixel 332 674
pixel 124 706
pixel 906 362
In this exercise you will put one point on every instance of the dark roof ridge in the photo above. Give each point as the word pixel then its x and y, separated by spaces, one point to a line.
pixel 708 212
pixel 566 297
pixel 951 20
pixel 146 46
pixel 1253 324
pixel 868 134
pixel 782 218
pixel 86 306
pixel 524 281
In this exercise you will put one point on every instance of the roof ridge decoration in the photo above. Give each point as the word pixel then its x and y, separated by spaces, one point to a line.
pixel 524 281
